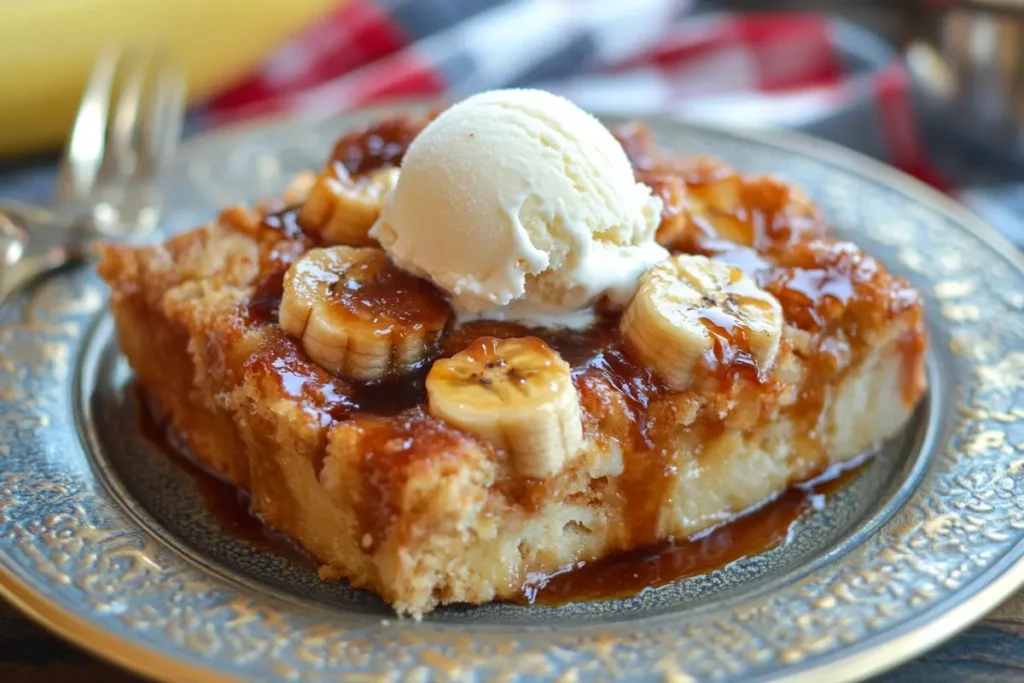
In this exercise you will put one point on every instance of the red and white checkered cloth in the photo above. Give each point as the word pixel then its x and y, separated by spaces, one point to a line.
pixel 637 57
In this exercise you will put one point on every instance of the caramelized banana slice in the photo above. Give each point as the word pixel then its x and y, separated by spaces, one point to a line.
pixel 341 209
pixel 360 316
pixel 691 311
pixel 516 393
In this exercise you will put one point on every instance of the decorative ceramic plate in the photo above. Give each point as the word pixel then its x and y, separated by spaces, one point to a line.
pixel 109 543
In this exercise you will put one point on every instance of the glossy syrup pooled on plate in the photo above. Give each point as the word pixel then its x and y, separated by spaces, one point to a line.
pixel 227 504
pixel 619 576
pixel 752 533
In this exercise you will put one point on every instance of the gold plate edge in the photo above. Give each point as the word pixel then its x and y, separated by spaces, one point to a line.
pixel 880 658
pixel 69 626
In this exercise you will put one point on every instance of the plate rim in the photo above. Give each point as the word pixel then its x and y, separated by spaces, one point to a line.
pixel 851 664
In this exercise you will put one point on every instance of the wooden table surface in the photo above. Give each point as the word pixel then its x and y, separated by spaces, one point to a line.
pixel 990 652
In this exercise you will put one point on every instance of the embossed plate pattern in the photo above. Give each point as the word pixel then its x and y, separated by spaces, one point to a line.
pixel 108 544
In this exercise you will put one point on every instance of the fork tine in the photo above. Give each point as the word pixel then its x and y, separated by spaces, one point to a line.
pixel 153 109
pixel 161 130
pixel 84 151
pixel 107 183
pixel 124 125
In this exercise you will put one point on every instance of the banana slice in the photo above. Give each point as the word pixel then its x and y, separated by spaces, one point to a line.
pixel 359 315
pixel 341 209
pixel 516 393
pixel 691 312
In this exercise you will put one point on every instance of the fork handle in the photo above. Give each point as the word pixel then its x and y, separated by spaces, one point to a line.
pixel 33 242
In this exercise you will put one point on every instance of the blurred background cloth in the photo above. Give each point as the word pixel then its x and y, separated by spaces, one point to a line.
pixel 825 75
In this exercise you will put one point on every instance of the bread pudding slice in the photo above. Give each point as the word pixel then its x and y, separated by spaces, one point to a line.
pixel 385 493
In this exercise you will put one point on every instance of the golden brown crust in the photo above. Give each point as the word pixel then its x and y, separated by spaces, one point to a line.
pixel 400 502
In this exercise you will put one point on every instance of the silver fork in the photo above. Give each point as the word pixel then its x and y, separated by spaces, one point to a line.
pixel 125 133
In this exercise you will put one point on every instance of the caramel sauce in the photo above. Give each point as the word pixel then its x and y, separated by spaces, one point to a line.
pixel 730 327
pixel 226 503
pixel 619 576
pixel 289 243
pixel 913 347
pixel 266 300
pixel 576 347
pixel 388 449
pixel 832 292
pixel 280 357
pixel 622 575
pixel 392 396
pixel 746 259
pixel 704 198
pixel 461 337
pixel 285 222
pixel 627 574
pixel 386 455
pixel 637 385
pixel 816 285
pixel 730 346
pixel 611 374
pixel 602 371
pixel 596 353
pixel 379 144
pixel 768 210
pixel 376 291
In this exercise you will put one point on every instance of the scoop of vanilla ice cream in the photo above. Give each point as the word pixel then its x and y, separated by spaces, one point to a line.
pixel 522 207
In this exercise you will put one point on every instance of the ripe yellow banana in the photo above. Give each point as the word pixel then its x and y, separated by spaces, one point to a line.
pixel 49 48
pixel 691 312
pixel 341 209
pixel 516 393
pixel 359 315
